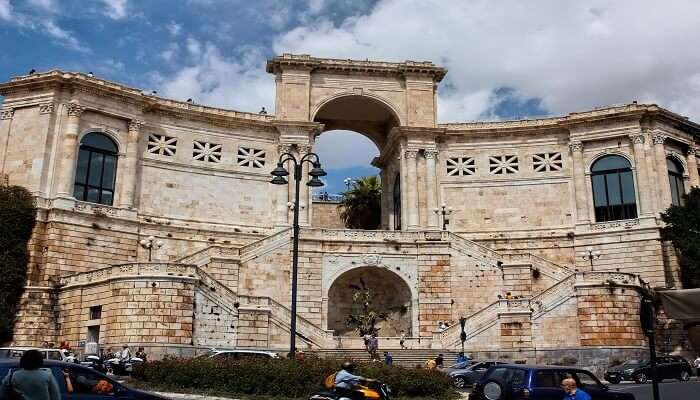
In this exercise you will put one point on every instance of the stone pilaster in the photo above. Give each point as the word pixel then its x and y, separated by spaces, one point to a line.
pixel 69 150
pixel 662 183
pixel 6 115
pixel 305 194
pixel 282 193
pixel 129 171
pixel 692 162
pixel 579 174
pixel 431 187
pixel 643 183
pixel 411 188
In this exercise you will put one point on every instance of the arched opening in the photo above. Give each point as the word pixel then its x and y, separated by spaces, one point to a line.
pixel 389 294
pixel 675 178
pixel 613 189
pixel 96 170
pixel 355 132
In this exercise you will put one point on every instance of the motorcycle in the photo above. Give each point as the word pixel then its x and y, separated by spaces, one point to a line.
pixel 369 390
pixel 122 367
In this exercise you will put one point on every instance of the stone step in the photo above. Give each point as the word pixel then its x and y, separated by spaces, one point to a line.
pixel 405 358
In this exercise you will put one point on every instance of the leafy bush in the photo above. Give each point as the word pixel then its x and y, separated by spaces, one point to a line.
pixel 282 378
pixel 17 219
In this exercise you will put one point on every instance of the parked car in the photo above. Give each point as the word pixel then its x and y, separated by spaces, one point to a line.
pixel 467 376
pixel 49 354
pixel 233 354
pixel 667 367
pixel 86 383
pixel 534 382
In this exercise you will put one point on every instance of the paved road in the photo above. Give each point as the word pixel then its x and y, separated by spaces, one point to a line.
pixel 669 390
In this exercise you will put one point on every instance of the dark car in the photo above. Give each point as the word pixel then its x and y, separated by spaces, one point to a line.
pixel 467 376
pixel 667 367
pixel 86 383
pixel 534 382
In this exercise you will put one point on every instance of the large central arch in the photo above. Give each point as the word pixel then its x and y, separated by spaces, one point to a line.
pixel 390 294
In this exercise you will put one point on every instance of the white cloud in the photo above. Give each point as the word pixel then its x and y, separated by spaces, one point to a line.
pixel 62 36
pixel 47 5
pixel 170 53
pixel 316 6
pixel 572 55
pixel 5 10
pixel 344 149
pixel 173 28
pixel 115 9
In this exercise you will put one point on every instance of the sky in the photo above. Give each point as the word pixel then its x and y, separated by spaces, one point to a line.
pixel 507 59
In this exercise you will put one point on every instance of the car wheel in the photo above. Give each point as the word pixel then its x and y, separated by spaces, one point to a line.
pixel 460 382
pixel 493 391
pixel 641 378
pixel 684 376
pixel 614 381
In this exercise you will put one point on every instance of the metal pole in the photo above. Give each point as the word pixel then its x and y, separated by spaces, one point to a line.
pixel 295 261
pixel 652 354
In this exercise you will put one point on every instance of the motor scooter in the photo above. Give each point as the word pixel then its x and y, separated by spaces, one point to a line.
pixel 122 367
pixel 370 390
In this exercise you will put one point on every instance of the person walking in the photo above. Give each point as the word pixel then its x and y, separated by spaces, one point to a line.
pixel 125 354
pixel 402 339
pixel 30 381
pixel 439 361
pixel 696 364
pixel 140 353
pixel 461 358
pixel 572 392
pixel 388 359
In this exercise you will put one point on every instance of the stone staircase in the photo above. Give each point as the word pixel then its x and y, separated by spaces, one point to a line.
pixel 404 357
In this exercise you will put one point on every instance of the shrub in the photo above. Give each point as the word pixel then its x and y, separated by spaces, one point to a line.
pixel 282 378
pixel 17 219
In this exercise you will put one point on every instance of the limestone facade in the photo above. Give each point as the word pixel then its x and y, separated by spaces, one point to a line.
pixel 524 258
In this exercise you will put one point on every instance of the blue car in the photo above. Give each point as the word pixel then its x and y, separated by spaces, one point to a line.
pixel 534 382
pixel 81 383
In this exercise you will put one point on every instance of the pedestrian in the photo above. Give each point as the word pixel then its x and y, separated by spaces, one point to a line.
pixel 45 345
pixel 125 354
pixel 30 381
pixel 140 353
pixel 298 354
pixel 461 358
pixel 439 361
pixel 430 364
pixel 388 359
pixel 572 392
pixel 402 339
pixel 696 364
pixel 373 345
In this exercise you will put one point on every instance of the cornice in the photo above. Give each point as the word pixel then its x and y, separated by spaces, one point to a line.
pixel 306 62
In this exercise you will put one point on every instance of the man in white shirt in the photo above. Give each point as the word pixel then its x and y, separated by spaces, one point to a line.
pixel 125 354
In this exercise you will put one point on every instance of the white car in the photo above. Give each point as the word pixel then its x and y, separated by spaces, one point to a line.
pixel 49 354
pixel 233 354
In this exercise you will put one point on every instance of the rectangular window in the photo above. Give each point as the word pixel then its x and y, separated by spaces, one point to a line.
pixel 95 312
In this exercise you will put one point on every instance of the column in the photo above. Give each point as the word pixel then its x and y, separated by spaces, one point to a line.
pixel 129 171
pixel 282 193
pixel 431 188
pixel 69 150
pixel 6 115
pixel 578 170
pixel 692 163
pixel 305 194
pixel 640 161
pixel 662 183
pixel 411 189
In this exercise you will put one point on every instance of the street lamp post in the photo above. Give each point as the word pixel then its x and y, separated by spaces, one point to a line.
pixel 591 255
pixel 151 243
pixel 445 212
pixel 279 174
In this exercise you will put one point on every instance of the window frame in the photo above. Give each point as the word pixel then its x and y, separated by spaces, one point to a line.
pixel 607 212
pixel 85 185
pixel 676 181
pixel 396 202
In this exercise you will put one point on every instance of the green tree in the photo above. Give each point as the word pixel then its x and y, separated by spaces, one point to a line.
pixel 17 219
pixel 364 317
pixel 683 230
pixel 361 205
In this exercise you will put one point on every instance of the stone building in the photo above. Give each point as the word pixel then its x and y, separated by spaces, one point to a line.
pixel 553 221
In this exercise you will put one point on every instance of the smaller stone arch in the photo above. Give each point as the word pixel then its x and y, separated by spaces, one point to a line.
pixel 107 132
pixel 602 154
pixel 675 156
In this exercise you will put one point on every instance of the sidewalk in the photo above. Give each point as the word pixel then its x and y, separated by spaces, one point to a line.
pixel 184 396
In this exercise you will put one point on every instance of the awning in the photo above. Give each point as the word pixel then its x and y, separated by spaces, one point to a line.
pixel 681 304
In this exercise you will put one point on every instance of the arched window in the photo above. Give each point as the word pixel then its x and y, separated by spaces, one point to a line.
pixel 675 177
pixel 397 202
pixel 96 170
pixel 613 189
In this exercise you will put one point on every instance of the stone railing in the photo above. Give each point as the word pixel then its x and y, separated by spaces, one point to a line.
pixel 204 256
pixel 551 297
pixel 131 270
pixel 546 267
pixel 474 249
pixel 265 244
pixel 306 328
pixel 475 324
pixel 610 279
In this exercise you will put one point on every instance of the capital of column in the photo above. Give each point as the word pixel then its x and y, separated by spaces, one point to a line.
pixel 74 109
pixel 576 146
pixel 693 151
pixel 46 108
pixel 135 125
pixel 430 153
pixel 304 149
pixel 658 138
pixel 637 138
pixel 284 148
pixel 7 113
pixel 410 154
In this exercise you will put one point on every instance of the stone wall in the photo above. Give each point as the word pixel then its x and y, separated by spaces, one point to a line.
pixel 326 215
pixel 609 316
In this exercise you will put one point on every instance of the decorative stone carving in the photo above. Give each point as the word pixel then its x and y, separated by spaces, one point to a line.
pixel 693 151
pixel 658 138
pixel 135 124
pixel 637 138
pixel 372 259
pixel 7 113
pixel 408 154
pixel 46 108
pixel 74 109
pixel 430 153
pixel 283 148
pixel 304 149
pixel 576 146
pixel 627 224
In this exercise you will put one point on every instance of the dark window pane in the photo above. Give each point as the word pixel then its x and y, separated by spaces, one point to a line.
pixel 627 187
pixel 608 163
pixel 675 199
pixel 82 167
pixel 599 197
pixel 674 166
pixel 79 192
pixel 107 197
pixel 93 195
pixel 95 173
pixel 99 141
pixel 613 186
pixel 108 172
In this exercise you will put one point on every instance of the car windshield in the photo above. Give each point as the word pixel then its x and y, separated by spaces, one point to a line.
pixel 634 362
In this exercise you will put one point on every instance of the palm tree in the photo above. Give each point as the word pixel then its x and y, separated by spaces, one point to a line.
pixel 361 204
